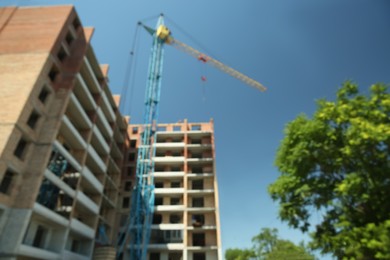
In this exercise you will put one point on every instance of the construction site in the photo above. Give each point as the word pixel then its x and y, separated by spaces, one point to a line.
pixel 78 180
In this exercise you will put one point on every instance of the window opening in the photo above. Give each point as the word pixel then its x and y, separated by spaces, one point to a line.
pixel 198 220
pixel 69 38
pixel 175 201
pixel 197 184
pixel 195 127
pixel 131 157
pixel 128 186
pixel 198 239
pixel 126 202
pixel 7 182
pixel 154 256
pixel 61 54
pixel 40 236
pixel 175 184
pixel 20 149
pixel 53 73
pixel 43 95
pixel 199 256
pixel 157 219
pixel 197 202
pixel 174 219
pixel 159 185
pixel 158 201
pixel 33 119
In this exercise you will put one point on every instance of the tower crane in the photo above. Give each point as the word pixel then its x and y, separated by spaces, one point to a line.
pixel 138 228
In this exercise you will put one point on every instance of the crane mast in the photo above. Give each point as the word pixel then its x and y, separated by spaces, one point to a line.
pixel 137 230
pixel 142 200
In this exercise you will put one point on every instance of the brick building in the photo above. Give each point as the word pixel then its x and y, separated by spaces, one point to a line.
pixel 68 157
pixel 186 216
pixel 61 137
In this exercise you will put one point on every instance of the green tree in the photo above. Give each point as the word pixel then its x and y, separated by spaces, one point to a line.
pixel 239 254
pixel 337 164
pixel 268 246
pixel 265 241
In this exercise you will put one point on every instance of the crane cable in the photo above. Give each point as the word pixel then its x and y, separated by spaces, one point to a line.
pixel 128 73
pixel 201 46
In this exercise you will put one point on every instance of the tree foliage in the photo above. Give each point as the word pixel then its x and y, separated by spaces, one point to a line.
pixel 268 246
pixel 337 164
pixel 239 254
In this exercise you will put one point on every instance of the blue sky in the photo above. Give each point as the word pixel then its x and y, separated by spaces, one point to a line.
pixel 301 50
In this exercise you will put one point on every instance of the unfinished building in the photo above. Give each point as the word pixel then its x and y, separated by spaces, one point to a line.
pixel 62 138
pixel 67 162
pixel 186 216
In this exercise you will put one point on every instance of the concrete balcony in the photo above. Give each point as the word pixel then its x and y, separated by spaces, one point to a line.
pixel 199 160
pixel 201 192
pixel 169 159
pixel 162 208
pixel 73 256
pixel 115 152
pixel 71 134
pixel 101 144
pixel 168 226
pixel 83 92
pixel 78 113
pixel 37 253
pixel 118 136
pixel 168 174
pixel 57 145
pixel 96 158
pixel 198 146
pixel 113 167
pixel 87 202
pixel 107 109
pixel 202 248
pixel 198 133
pixel 199 175
pixel 158 191
pixel 200 209
pixel 103 124
pixel 205 227
pixel 50 215
pixel 107 201
pixel 169 246
pixel 169 145
pixel 59 183
pixel 88 175
pixel 93 83
pixel 81 228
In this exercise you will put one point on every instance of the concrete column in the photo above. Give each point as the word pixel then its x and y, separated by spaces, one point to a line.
pixel 14 229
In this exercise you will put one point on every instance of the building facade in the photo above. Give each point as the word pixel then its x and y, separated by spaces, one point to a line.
pixel 68 157
pixel 186 216
pixel 62 138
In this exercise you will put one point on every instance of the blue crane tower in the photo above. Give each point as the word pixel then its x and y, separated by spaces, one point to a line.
pixel 137 231
pixel 142 200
